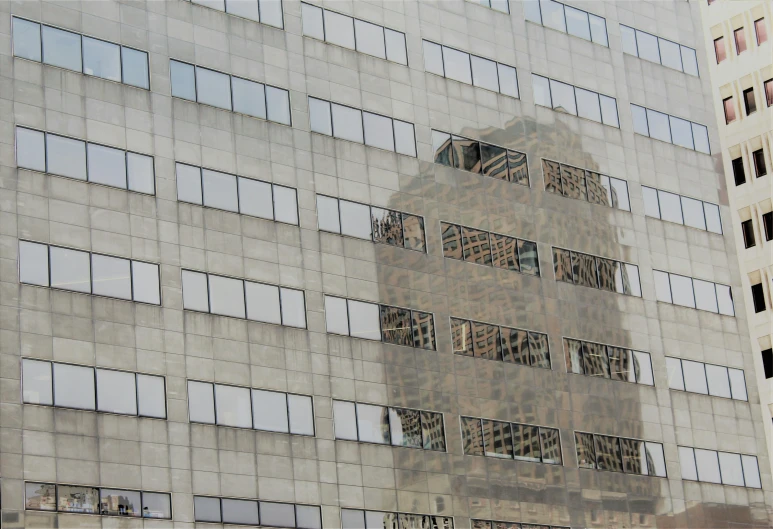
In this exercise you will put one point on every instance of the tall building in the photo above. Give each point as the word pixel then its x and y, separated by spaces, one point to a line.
pixel 372 265
pixel 738 39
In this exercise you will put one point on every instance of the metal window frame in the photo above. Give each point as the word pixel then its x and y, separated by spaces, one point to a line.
pixel 619 438
pixel 500 327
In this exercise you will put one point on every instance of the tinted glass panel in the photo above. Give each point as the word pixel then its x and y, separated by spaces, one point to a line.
pixel 405 427
pixel 586 451
pixel 608 455
pixel 413 232
pixel 472 436
pixel 551 446
pixel 526 443
pixel 476 246
pixel 120 502
pixel 433 431
pixel 423 330
pixel 396 325
pixel 466 154
pixel 497 439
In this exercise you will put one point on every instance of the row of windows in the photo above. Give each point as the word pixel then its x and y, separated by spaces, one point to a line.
pixel 264 11
pixel 480 158
pixel 681 210
pixel 239 298
pixel 739 37
pixel 524 442
pixel 489 249
pixel 619 454
pixel 693 293
pixel 371 223
pixel 494 342
pixel 99 164
pixel 584 184
pixel 353 124
pixel 369 423
pixel 254 512
pixel 760 167
pixel 670 129
pixel 596 272
pixel 354 34
pixel 381 323
pixel 567 19
pixel 96 500
pixel 470 69
pixel 221 90
pixel 72 51
pixel 719 467
pixel 359 519
pixel 229 192
pixel 90 273
pixel 486 524
pixel 607 361
pixel 240 407
pixel 574 100
pixel 656 49
pixel 88 388
pixel 749 102
pixel 498 5
pixel 707 379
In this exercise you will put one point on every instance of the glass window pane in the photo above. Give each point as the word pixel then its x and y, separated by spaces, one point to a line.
pixel 461 337
pixel 74 387
pixel 271 12
pixel 151 396
pixel 327 214
pixel 373 423
pixel 675 376
pixel 277 514
pixel 311 16
pixel 195 292
pixel 485 341
pixel 670 55
pixel 539 353
pixel 319 114
pixel 682 290
pixel 255 198
pixel 577 22
pixel 608 455
pixel 662 286
pixel 66 157
pixel 62 48
pixel 405 138
pixel 531 11
pixel 718 381
pixel 551 446
pixel 370 38
pixel 226 296
pixel 293 307
pixel 262 302
pixel 498 439
pixel 102 59
pixel 378 131
pixel 751 471
pixel 232 406
pixel 694 377
pixel 433 58
pixel 705 295
pixel 670 207
pixel 586 450
pixel 634 456
pixel 395 46
pixel 472 436
pixel 278 102
pixel 301 414
pixel 563 97
pixel 220 190
pixel 243 512
pixel 396 325
pixel 364 320
pixel 484 73
pixel 432 431
pixel 598 30
pixel 33 263
pixel 413 233
pixel 70 269
pixel 355 220
pixel 700 136
pixel 423 330
pixel 452 241
pixel 628 37
pixel 405 427
pixel 188 183
pixel 494 161
pixel 528 259
pixel 737 384
pixel 206 509
pixel 77 499
pixel 30 149
pixel 120 502
pixel 352 519
pixel 681 132
pixel 687 463
pixel 595 360
pixel 269 411
pixel 106 165
pixel 526 443
pixel 656 459
pixel 648 46
pixel 344 420
pixel 466 154
pixel 609 111
pixel 347 123
pixel 336 316
pixel 339 29
pixel 457 65
pixel 156 505
pixel 37 386
pixel 505 252
pixel 553 15
pixel 621 364
pixel 201 402
pixel 26 39
pixel 651 205
pixel 213 88
pixel 584 270
pixel 476 246
pixel 725 300
pixel 643 364
pixel 689 60
pixel 183 80
pixel 134 67
pixel 140 173
pixel 443 149
pixel 713 222
pixel 249 97
pixel 111 276
pixel 639 115
pixel 308 517
pixel 693 213
pixel 508 80
pixel 588 105
pixel 658 126
pixel 708 466
pixel 285 204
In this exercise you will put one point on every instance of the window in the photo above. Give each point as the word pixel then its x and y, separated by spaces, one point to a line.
pixel 486 524
pixel 729 109
pixel 372 321
pixel 573 100
pixel 92 500
pixel 79 271
pixel 221 90
pixel 267 12
pixel 767 362
pixel 61 156
pixel 566 19
pixel 72 51
pixel 584 184
pixel 370 423
pixel 359 126
pixel 758 297
pixel 767 222
pixel 681 210
pixel 738 171
pixel 480 158
pixel 619 454
pixel 511 441
pixel 607 361
pixel 515 346
pixel 241 407
pixel 371 223
pixel 359 519
pixel 719 49
pixel 740 40
pixel 719 467
pixel 489 249
pixel 760 169
pixel 747 227
pixel 596 272
pixel 656 49
pixel 749 102
pixel 256 513
pixel 106 390
pixel 693 293
pixel 707 379
pixel 470 69
pixel 769 92
pixel 670 129
pixel 239 298
pixel 760 31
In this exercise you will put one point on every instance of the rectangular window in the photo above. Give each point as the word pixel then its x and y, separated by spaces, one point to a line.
pixel 254 512
pixel 267 12
pixel 738 171
pixel 493 342
pixel 480 158
pixel 760 168
pixel 681 290
pixel 706 379
pixel 729 107
pixel 719 467
pixel 760 31
pixel 662 51
pixel 523 442
pixel 584 184
pixel 619 454
pixel 767 362
pixel 747 227
pixel 670 129
pixel 769 92
pixel 749 101
pixel 607 361
pixel 719 49
pixel 489 249
pixel 596 272
pixel 566 19
pixel 767 222
pixel 359 519
pixel 758 297
pixel 740 40
pixel 569 99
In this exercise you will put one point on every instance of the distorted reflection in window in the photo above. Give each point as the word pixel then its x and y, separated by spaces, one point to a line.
pixel 596 272
pixel 607 361
pixel 585 184
pixel 489 249
pixel 620 454
pixel 480 158
pixel 510 440
pixel 493 342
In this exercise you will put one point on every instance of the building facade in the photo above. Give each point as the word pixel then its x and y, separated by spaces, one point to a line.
pixel 370 265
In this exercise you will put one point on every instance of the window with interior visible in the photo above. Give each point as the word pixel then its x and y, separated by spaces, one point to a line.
pixel 727 103
pixel 749 102
pixel 738 171
pixel 758 297
pixel 767 362
pixel 769 92
pixel 760 169
pixel 760 31
pixel 740 41
pixel 767 222
pixel 747 227
pixel 719 49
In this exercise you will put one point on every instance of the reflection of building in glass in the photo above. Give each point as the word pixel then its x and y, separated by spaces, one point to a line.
pixel 433 430
pixel 387 226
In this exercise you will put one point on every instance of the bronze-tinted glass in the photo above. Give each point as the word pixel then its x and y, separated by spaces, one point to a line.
pixel 607 269
pixel 527 257
pixel 573 182
pixel 472 436
pixel 519 168
pixel 586 451
pixel 621 364
pixel 633 456
pixel 413 233
pixel 396 326
pixel 562 265
pixel 595 360
pixel 452 240
pixel 584 270
pixel 497 439
pixel 485 341
pixel 573 352
pixel 515 346
pixel 444 153
pixel 608 453
pixel 423 330
pixel 466 154
pixel 506 525
pixel 494 161
pixel 539 353
pixel 551 172
pixel 461 337
pixel 597 193
pixel 551 446
pixel 505 252
pixel 405 427
pixel 476 246
pixel 387 226
pixel 432 431
pixel 526 445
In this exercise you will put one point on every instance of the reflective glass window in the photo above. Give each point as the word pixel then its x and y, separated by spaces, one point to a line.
pixel 658 126
pixel 26 39
pixel 505 252
pixel 77 499
pixel 598 30
pixel 687 463
pixel 249 97
pixel 586 450
pixel 301 414
pixel 344 420
pixel 74 387
pixel 656 459
pixel 277 514
pixel 195 291
pixel 508 80
pixel 116 392
pixel 681 132
pixel 405 427
pixel 531 10
pixel 140 172
pixel 156 505
pixel 494 161
pixel 339 29
pixel 201 402
pixel 370 38
pixel 219 190
pixel 707 464
pixel 111 276
pixel 643 364
pixel 737 384
pixel 692 210
pixel 213 88
pixel 378 131
pixel 101 59
pixel 70 269
pixel 705 295
pixel 553 15
pixel 609 111
pixel 327 214
pixel 634 456
pixel 396 326
pixel 134 67
pixel 243 512
pixel 466 154
pixel 62 48
pixel 262 302
pixel 484 73
pixel 120 502
pixel 472 436
pixel 751 471
pixel 476 246
pixel 364 320
pixel 151 396
pixel 30 149
pixel 271 12
pixel 278 102
pixel 577 22
pixel 550 440
pixel 269 411
pixel 423 330
pixel 355 220
pixel 405 138
pixel 232 406
pixel 648 46
pixel 563 97
pixel 373 424
pixel 461 335
pixel 336 316
pixel 285 204
pixel 37 386
pixel 681 291
pixel 66 157
pixel 433 431
pixel 639 115
pixel 725 300
pixel 457 65
pixel 526 443
pixel 718 381
pixel 588 105
pixel 608 456
pixel 311 17
pixel 628 37
pixel 308 517
pixel 226 296
pixel 433 58
pixel 395 46
pixel 183 80
pixel 662 286
pixel 670 55
pixel 694 377
pixel 33 263
pixel 188 183
pixel 206 509
pixel 352 519
pixel 700 136
pixel 347 123
pixel 319 115
pixel 255 198
pixel 293 307
pixel 498 439
pixel 541 87
pixel 413 232
pixel 689 60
